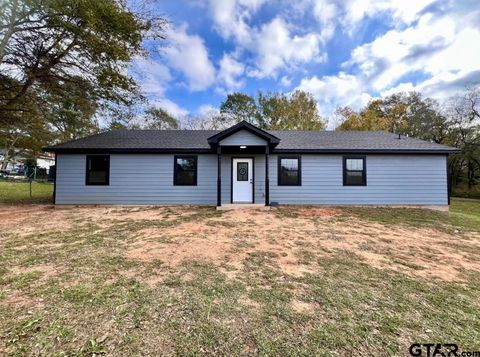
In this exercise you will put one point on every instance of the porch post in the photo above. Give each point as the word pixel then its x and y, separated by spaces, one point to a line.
pixel 267 180
pixel 219 176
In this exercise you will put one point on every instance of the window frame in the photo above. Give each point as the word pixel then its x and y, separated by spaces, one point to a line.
pixel 87 171
pixel 364 171
pixel 299 170
pixel 175 173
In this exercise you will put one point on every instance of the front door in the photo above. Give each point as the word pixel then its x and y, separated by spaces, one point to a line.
pixel 242 181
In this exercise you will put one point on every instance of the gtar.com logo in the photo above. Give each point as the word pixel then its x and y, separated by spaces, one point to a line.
pixel 439 349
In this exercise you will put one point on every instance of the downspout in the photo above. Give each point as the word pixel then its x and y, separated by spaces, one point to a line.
pixel 267 179
pixel 55 181
pixel 219 176
pixel 449 183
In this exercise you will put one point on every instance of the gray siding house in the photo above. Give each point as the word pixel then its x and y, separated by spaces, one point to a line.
pixel 244 164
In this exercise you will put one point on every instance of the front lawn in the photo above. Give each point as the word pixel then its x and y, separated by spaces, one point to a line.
pixel 19 192
pixel 123 281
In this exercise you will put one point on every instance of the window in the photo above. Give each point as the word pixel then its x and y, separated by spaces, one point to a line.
pixel 242 171
pixel 289 171
pixel 354 171
pixel 185 171
pixel 98 170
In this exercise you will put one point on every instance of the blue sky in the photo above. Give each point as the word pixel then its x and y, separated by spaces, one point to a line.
pixel 344 52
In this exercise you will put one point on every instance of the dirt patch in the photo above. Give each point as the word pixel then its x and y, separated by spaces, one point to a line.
pixel 46 270
pixel 302 306
pixel 298 239
pixel 19 299
pixel 324 212
pixel 297 243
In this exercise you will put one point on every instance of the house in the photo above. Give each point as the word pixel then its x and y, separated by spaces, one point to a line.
pixel 245 164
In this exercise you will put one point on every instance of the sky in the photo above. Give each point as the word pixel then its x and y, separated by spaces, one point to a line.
pixel 343 52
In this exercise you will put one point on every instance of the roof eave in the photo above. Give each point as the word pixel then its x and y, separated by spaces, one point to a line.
pixel 209 150
pixel 243 125
pixel 127 150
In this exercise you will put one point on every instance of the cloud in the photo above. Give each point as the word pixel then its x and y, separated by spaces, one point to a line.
pixel 152 75
pixel 207 109
pixel 439 87
pixel 171 107
pixel 338 90
pixel 285 81
pixel 188 55
pixel 274 47
pixel 230 17
pixel 229 72
pixel 436 47
pixel 269 47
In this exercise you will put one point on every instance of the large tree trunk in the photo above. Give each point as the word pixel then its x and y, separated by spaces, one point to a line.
pixel 7 157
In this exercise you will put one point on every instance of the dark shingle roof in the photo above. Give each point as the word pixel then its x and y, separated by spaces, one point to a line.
pixel 291 140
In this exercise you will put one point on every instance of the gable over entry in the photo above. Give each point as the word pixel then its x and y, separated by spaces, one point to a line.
pixel 243 138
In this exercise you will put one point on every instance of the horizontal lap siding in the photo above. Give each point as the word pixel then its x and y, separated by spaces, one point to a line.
pixel 242 137
pixel 391 179
pixel 148 179
pixel 135 179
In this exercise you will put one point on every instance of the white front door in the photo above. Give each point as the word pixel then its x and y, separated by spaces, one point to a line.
pixel 242 181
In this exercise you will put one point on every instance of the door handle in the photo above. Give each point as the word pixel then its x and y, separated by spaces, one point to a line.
pixel 250 180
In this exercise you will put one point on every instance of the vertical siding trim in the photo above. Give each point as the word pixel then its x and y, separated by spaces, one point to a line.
pixel 449 184
pixel 55 180
pixel 219 175
pixel 267 180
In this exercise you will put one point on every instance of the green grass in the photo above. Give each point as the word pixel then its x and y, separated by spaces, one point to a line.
pixel 19 192
pixel 464 214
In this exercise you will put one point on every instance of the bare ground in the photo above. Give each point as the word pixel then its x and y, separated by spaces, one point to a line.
pixel 295 244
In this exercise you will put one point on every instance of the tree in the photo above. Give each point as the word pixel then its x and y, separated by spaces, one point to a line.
pixel 407 114
pixel 464 132
pixel 158 118
pixel 48 43
pixel 297 111
pixel 62 62
pixel 275 111
pixel 425 119
pixel 387 114
pixel 26 130
pixel 240 106
pixel 70 113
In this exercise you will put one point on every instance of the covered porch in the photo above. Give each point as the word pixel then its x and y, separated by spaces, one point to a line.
pixel 243 165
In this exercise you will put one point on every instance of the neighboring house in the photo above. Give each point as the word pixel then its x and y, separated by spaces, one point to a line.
pixel 210 167
pixel 16 163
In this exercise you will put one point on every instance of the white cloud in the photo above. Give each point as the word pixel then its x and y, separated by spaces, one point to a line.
pixel 405 12
pixel 171 107
pixel 207 109
pixel 274 47
pixel 188 54
pixel 152 75
pixel 326 12
pixel 437 47
pixel 229 72
pixel 285 81
pixel 230 16
pixel 339 90
pixel 271 46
